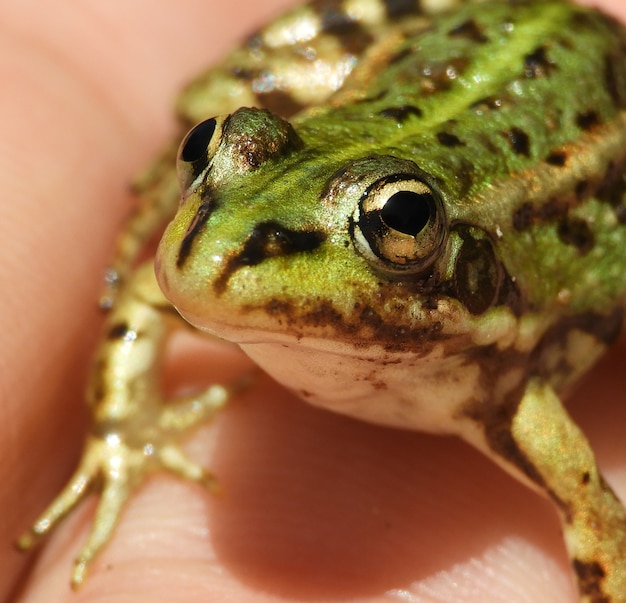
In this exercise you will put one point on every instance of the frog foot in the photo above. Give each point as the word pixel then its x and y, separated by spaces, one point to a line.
pixel 116 460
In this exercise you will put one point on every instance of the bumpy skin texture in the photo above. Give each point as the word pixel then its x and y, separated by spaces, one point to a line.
pixel 59 316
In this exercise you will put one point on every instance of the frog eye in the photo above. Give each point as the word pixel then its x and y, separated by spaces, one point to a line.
pixel 399 224
pixel 197 149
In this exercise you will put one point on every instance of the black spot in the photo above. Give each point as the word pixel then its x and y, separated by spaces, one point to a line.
pixel 576 232
pixel 590 577
pixel 449 140
pixel 519 141
pixel 470 30
pixel 537 64
pixel 269 240
pixel 587 120
pixel 523 217
pixel 401 114
pixel 117 331
pixel 477 274
pixel 557 158
pixel 586 478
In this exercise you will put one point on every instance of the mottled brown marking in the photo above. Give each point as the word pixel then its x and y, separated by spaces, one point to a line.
pixel 364 324
pixel 582 188
pixel 557 158
pixel 590 576
pixel 577 233
pixel 497 418
pixel 523 217
pixel 356 40
pixel 587 120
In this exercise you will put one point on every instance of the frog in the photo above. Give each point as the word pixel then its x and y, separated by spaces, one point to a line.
pixel 408 213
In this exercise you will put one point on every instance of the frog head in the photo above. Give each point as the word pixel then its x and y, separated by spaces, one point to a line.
pixel 280 235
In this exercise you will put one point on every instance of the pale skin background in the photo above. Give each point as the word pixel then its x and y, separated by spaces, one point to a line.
pixel 314 506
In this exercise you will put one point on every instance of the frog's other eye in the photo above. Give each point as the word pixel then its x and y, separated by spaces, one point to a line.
pixel 399 224
pixel 197 149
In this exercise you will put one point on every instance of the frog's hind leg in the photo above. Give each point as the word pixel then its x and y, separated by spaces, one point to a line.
pixel 134 431
pixel 538 442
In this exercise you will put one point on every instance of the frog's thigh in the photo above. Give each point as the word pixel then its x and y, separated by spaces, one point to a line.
pixel 545 446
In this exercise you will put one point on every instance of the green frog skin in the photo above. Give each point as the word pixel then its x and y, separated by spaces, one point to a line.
pixel 408 213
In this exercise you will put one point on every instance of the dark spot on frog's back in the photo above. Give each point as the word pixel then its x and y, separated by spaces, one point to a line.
pixel 587 120
pixel 118 331
pixel 399 8
pixel 401 114
pixel 519 141
pixel 576 232
pixel 449 140
pixel 269 240
pixel 557 158
pixel 537 64
pixel 470 30
pixel 523 217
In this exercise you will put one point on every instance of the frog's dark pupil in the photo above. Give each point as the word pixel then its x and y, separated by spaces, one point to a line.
pixel 198 140
pixel 407 212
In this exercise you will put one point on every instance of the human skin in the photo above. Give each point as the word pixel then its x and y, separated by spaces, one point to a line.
pixel 312 506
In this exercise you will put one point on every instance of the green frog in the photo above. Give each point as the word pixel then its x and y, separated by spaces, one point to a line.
pixel 412 213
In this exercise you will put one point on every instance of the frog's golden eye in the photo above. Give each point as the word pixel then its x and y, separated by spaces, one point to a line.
pixel 197 149
pixel 399 224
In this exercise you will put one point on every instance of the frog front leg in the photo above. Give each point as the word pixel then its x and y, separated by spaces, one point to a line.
pixel 133 431
pixel 536 440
